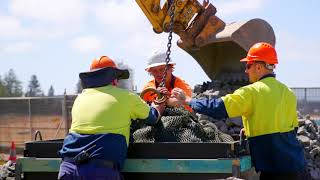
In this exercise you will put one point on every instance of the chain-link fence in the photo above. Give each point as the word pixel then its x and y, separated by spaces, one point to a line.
pixel 308 100
pixel 21 118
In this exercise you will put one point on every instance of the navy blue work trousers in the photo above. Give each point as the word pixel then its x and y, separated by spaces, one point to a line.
pixel 87 171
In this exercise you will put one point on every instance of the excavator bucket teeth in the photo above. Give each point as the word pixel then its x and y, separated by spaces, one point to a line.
pixel 220 52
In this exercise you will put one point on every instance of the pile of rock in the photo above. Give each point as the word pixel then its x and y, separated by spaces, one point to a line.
pixel 7 171
pixel 309 136
pixel 216 89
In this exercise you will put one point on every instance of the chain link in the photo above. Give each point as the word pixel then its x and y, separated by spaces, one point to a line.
pixel 168 53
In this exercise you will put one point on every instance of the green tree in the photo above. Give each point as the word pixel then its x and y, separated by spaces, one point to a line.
pixel 2 88
pixel 51 91
pixel 79 87
pixel 34 87
pixel 12 84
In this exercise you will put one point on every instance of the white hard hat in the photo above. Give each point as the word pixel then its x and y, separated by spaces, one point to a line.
pixel 157 59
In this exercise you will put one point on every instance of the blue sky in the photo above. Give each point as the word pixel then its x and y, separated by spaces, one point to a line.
pixel 57 39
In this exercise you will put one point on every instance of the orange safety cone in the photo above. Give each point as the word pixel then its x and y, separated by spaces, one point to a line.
pixel 13 154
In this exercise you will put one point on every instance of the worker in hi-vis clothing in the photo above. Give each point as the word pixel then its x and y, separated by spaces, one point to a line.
pixel 268 110
pixel 156 67
pixel 96 146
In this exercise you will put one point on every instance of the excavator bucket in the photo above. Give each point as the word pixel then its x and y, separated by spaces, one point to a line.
pixel 218 53
pixel 217 47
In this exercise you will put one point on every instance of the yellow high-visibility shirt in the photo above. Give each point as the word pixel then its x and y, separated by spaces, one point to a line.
pixel 107 109
pixel 266 106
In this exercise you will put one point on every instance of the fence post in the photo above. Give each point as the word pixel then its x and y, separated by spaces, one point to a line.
pixel 305 95
pixel 305 102
pixel 30 121
pixel 65 113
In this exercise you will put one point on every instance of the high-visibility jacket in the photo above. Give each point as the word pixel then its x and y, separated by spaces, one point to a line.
pixel 266 107
pixel 175 82
pixel 101 119
pixel 107 109
pixel 268 110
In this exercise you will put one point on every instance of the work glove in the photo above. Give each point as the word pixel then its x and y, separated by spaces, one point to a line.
pixel 164 91
pixel 171 101
pixel 180 95
pixel 177 98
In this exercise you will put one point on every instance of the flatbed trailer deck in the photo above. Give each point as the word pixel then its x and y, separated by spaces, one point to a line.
pixel 149 161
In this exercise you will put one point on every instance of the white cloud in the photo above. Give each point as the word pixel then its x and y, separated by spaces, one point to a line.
pixel 57 11
pixel 86 44
pixel 18 47
pixel 121 16
pixel 43 19
pixel 10 27
pixel 231 7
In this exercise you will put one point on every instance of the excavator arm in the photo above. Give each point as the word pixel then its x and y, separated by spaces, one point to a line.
pixel 215 45
pixel 159 16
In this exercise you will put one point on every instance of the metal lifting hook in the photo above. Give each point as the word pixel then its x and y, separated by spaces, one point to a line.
pixel 160 97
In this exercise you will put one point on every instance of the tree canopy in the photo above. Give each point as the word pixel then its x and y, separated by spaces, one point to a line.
pixel 51 91
pixel 13 87
pixel 34 88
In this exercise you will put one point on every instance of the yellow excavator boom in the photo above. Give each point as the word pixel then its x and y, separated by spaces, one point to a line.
pixel 159 16
pixel 215 45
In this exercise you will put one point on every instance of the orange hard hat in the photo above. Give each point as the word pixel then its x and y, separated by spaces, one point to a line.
pixel 102 62
pixel 261 52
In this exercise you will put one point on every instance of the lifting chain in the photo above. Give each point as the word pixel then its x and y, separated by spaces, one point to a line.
pixel 168 53
pixel 160 97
